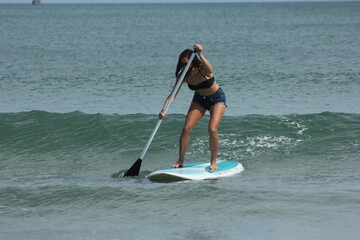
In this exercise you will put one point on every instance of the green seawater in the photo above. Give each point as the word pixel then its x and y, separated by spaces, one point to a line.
pixel 81 87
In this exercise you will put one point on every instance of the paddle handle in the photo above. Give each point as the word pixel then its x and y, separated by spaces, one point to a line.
pixel 172 96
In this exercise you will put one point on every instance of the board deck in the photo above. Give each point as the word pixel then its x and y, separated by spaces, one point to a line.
pixel 196 171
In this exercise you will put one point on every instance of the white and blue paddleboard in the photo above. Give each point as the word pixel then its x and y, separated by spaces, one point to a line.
pixel 196 171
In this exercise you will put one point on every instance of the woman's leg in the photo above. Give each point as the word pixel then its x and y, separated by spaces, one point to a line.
pixel 216 114
pixel 195 113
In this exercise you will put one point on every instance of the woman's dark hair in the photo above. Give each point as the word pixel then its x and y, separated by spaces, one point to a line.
pixel 180 66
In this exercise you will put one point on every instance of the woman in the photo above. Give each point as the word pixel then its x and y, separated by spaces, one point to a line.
pixel 208 96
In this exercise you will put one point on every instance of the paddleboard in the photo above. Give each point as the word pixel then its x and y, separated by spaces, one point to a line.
pixel 196 171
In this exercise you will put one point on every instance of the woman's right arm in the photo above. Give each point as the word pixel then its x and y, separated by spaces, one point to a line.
pixel 162 115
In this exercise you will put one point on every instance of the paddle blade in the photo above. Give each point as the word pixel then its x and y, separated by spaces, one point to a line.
pixel 134 169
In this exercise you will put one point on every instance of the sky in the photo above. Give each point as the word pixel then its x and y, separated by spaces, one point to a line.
pixel 150 1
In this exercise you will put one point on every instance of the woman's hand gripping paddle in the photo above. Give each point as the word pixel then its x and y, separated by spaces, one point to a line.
pixel 135 168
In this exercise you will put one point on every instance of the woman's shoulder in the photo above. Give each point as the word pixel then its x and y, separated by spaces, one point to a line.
pixel 206 74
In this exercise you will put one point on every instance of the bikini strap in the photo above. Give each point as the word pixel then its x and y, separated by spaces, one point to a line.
pixel 202 74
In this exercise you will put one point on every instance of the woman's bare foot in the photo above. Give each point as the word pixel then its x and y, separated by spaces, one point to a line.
pixel 178 164
pixel 213 167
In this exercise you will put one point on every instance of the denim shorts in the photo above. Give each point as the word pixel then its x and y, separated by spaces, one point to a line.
pixel 209 101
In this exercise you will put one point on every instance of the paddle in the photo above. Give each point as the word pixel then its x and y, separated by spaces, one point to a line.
pixel 135 168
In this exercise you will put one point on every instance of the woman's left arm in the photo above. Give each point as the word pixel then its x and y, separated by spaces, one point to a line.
pixel 206 65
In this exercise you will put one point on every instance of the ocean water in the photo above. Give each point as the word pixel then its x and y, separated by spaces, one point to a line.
pixel 80 89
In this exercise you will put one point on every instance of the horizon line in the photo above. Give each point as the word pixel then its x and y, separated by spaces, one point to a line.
pixel 182 2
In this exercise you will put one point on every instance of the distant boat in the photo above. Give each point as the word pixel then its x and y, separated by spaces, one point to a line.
pixel 36 2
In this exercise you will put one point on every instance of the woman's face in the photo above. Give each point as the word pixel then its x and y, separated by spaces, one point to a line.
pixel 184 61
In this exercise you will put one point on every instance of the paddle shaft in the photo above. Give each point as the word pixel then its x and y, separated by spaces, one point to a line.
pixel 172 96
pixel 135 168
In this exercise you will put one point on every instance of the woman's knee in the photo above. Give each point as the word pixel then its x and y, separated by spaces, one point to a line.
pixel 212 131
pixel 187 130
